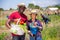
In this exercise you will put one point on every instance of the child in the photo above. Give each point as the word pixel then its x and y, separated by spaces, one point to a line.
pixel 34 27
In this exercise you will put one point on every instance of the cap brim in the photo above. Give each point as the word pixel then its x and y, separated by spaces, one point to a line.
pixel 21 6
pixel 32 13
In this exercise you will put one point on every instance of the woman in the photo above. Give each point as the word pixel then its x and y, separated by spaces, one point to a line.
pixel 34 26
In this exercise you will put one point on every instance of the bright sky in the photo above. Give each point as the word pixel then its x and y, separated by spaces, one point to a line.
pixel 6 4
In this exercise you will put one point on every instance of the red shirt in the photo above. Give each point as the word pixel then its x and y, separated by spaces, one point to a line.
pixel 16 15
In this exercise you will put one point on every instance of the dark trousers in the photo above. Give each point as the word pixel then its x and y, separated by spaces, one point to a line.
pixel 21 37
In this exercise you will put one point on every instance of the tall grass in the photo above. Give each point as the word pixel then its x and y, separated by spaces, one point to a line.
pixel 52 33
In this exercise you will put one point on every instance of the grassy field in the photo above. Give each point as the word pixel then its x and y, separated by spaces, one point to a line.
pixel 51 32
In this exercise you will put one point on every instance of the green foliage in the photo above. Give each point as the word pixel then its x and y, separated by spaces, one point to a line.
pixel 31 6
pixel 10 9
pixel 57 6
pixel 1 9
pixel 2 35
pixel 52 33
pixel 24 27
pixel 37 7
pixel 2 22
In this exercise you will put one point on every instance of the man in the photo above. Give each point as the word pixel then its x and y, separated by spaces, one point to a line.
pixel 34 26
pixel 45 18
pixel 14 18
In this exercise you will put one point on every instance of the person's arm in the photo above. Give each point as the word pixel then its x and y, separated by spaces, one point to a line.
pixel 8 23
pixel 40 25
pixel 9 20
pixel 28 28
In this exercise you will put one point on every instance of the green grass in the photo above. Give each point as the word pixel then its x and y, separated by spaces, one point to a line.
pixel 3 35
pixel 2 22
pixel 52 33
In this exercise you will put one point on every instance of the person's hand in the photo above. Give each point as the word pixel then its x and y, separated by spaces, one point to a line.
pixel 9 27
pixel 15 21
pixel 30 33
pixel 39 28
pixel 35 23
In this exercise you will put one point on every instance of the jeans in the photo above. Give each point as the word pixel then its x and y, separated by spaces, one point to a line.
pixel 21 37
pixel 35 37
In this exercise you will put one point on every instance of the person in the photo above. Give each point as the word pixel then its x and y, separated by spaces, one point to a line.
pixel 34 26
pixel 45 18
pixel 13 18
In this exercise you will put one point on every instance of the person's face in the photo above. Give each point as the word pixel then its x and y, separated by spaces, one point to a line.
pixel 21 9
pixel 33 16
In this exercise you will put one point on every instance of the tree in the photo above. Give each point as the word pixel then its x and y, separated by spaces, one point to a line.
pixel 1 9
pixel 57 6
pixel 49 7
pixel 31 6
pixel 10 9
pixel 37 7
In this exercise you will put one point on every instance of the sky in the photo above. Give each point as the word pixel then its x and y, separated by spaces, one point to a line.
pixel 6 4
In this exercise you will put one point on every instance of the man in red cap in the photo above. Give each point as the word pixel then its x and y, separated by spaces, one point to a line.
pixel 13 18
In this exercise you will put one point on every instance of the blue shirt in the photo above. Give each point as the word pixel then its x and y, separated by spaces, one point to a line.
pixel 33 28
